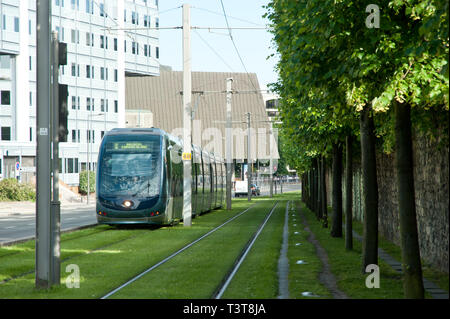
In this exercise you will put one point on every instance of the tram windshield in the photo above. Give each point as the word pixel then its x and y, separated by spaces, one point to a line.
pixel 131 166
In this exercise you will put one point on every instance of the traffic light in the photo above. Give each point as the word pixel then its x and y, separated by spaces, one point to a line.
pixel 63 112
pixel 63 94
pixel 62 53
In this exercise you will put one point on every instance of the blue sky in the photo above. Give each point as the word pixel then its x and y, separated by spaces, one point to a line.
pixel 213 50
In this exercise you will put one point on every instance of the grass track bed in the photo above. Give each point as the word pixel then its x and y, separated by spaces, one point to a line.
pixel 257 276
pixel 184 275
pixel 103 269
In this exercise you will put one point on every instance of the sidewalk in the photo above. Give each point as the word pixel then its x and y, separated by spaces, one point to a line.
pixel 26 207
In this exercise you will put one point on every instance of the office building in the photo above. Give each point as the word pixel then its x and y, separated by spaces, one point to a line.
pixel 106 40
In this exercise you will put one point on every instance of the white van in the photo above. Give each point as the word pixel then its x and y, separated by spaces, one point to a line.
pixel 241 188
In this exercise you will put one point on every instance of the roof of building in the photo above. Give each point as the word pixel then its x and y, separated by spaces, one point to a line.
pixel 162 95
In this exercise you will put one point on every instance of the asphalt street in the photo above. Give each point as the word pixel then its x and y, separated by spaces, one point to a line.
pixel 18 220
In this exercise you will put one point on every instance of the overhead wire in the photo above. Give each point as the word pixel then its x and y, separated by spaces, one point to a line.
pixel 234 44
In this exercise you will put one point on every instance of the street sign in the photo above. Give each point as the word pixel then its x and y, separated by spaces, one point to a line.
pixel 187 156
pixel 17 165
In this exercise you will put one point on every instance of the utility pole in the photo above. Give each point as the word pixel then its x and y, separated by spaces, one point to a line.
pixel 55 203
pixel 249 172
pixel 271 159
pixel 43 149
pixel 229 142
pixel 187 116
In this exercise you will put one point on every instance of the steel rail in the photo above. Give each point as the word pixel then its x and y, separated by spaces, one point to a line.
pixel 174 254
pixel 226 281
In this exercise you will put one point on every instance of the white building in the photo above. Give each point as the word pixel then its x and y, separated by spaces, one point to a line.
pixel 271 101
pixel 106 39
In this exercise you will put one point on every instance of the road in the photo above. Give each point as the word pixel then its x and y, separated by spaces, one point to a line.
pixel 18 220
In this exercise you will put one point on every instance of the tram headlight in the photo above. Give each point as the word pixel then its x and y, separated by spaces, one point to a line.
pixel 127 203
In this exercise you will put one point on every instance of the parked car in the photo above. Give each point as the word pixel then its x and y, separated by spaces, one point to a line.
pixel 255 190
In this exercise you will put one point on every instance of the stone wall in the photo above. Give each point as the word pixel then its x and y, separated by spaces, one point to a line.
pixel 431 178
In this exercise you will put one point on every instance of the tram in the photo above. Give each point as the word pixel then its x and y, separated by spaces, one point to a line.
pixel 139 178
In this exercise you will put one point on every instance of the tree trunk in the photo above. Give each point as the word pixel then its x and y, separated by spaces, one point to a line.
pixel 309 189
pixel 319 189
pixel 370 189
pixel 412 269
pixel 315 187
pixel 348 194
pixel 324 195
pixel 336 227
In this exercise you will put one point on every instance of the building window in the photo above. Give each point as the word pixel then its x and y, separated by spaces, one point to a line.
pixel 90 136
pixel 116 75
pixel 75 4
pixel 89 6
pixel 157 52
pixel 75 35
pixel 6 98
pixel 115 44
pixel 16 24
pixel 116 106
pixel 6 133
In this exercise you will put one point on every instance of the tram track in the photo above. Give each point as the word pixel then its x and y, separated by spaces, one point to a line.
pixel 176 253
pixel 241 257
pixel 238 258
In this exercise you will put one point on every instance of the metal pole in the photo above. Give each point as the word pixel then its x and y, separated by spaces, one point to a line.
pixel 271 160
pixel 249 173
pixel 187 142
pixel 43 149
pixel 229 142
pixel 55 204
pixel 88 159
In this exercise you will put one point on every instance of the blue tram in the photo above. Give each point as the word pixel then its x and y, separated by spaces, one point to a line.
pixel 139 178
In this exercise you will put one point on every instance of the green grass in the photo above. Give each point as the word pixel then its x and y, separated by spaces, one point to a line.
pixel 109 256
pixel 304 277
pixel 257 276
pixel 184 276
pixel 346 266
pixel 106 256
pixel 438 277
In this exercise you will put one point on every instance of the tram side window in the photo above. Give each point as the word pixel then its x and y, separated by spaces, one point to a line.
pixel 211 167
